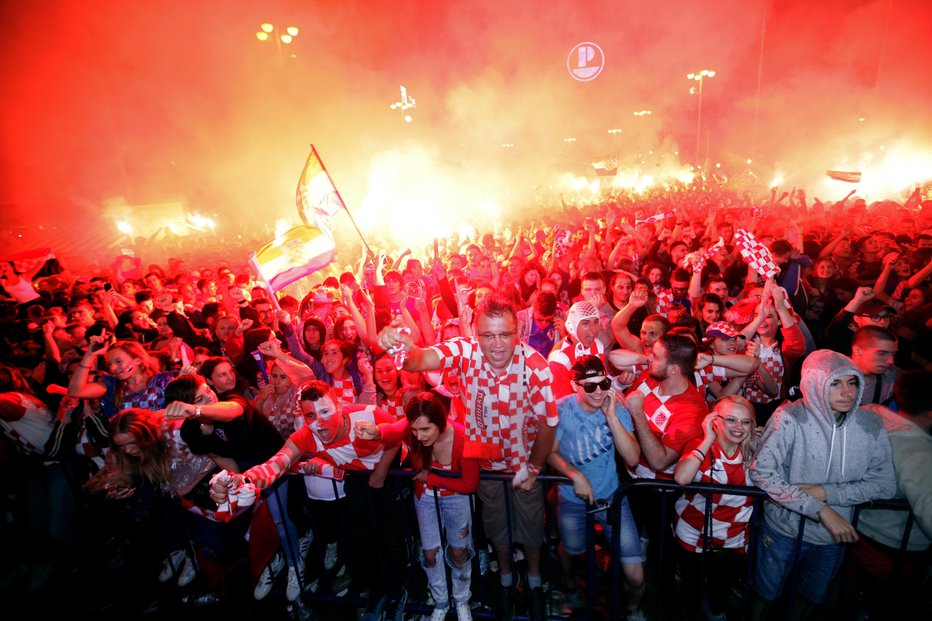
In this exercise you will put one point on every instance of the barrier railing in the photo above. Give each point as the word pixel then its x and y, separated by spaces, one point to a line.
pixel 661 609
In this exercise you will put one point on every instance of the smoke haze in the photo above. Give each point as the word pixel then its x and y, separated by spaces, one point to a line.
pixel 111 102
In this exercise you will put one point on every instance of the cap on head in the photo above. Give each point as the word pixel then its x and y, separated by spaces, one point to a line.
pixel 721 329
pixel 588 366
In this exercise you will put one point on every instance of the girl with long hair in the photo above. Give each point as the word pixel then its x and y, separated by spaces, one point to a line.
pixel 436 445
pixel 719 542
pixel 133 380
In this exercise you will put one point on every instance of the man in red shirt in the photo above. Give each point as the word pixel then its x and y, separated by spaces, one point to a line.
pixel 667 416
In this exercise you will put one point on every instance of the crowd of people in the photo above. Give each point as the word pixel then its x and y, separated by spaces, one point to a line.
pixel 158 408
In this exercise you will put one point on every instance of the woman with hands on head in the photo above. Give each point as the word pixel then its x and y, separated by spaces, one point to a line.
pixel 776 339
pixel 132 382
pixel 721 457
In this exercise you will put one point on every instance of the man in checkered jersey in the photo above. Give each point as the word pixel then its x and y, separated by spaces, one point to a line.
pixel 511 420
pixel 670 418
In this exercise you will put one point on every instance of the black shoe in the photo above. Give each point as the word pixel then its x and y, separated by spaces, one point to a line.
pixel 506 603
pixel 536 605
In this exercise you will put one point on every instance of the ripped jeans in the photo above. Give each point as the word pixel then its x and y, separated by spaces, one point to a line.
pixel 456 519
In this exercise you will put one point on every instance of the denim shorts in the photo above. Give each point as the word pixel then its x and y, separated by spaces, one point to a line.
pixel 818 565
pixel 572 521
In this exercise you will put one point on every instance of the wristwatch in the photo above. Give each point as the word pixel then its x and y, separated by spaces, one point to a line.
pixel 197 412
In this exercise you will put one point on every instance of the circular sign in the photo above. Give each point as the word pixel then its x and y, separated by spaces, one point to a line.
pixel 585 61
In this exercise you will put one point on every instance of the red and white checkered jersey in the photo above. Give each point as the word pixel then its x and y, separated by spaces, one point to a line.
pixel 344 389
pixel 675 420
pixel 350 452
pixel 26 421
pixel 730 513
pixel 503 410
pixel 664 301
pixel 560 360
pixel 709 375
pixel 772 360
pixel 394 405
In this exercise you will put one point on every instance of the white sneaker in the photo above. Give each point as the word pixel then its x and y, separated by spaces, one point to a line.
pixel 267 577
pixel 187 572
pixel 293 590
pixel 439 614
pixel 330 556
pixel 463 611
pixel 171 565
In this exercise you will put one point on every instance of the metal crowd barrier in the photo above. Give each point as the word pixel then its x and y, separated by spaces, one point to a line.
pixel 416 582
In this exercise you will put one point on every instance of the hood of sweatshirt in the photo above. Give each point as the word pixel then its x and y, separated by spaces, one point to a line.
pixel 820 369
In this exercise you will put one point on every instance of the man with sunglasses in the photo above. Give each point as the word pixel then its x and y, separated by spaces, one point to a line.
pixel 594 425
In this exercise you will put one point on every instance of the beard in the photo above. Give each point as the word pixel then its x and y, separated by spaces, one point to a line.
pixel 659 375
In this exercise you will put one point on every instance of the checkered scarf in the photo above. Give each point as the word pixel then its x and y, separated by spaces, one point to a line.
pixel 756 254
pixel 697 260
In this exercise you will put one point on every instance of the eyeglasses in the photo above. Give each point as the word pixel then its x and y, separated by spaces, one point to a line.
pixel 878 317
pixel 745 422
pixel 492 336
pixel 590 387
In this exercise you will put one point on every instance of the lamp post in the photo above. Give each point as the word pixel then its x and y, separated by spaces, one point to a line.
pixel 269 31
pixel 700 77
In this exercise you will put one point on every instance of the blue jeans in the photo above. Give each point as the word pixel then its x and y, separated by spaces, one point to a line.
pixel 456 520
pixel 572 521
pixel 817 565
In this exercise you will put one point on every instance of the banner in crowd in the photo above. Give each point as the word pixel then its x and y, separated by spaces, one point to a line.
pixel 606 166
pixel 659 217
pixel 317 198
pixel 755 254
pixel 296 253
pixel 44 256
pixel 840 175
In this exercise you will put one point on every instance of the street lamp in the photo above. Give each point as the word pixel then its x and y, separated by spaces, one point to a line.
pixel 699 76
pixel 268 31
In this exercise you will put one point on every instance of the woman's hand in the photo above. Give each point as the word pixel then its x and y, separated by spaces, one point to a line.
pixel 711 425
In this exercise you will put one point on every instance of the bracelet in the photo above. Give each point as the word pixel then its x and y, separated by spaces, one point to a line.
pixel 713 361
pixel 84 366
pixel 697 454
pixel 532 469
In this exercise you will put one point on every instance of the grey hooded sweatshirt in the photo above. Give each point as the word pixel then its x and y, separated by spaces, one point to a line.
pixel 803 443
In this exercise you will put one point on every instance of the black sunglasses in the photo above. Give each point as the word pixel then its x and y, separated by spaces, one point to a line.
pixel 590 388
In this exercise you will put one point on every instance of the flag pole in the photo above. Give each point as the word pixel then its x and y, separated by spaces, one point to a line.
pixel 254 264
pixel 342 202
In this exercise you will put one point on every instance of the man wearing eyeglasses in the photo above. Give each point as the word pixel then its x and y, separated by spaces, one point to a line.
pixel 594 425
pixel 510 421
pixel 864 309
